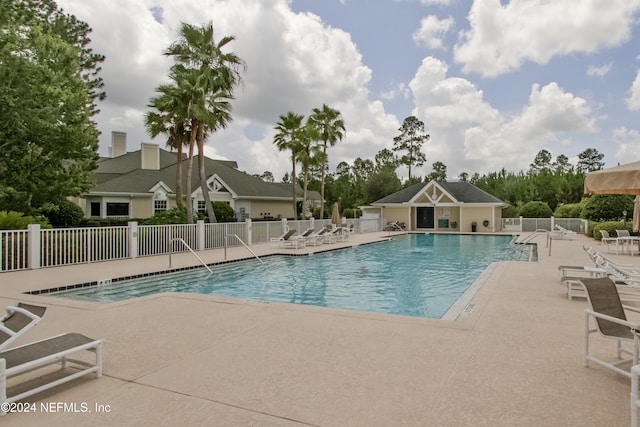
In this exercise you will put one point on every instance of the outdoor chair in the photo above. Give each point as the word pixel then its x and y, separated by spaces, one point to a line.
pixel 610 321
pixel 287 235
pixel 608 240
pixel 626 239
pixel 17 321
pixel 40 354
pixel 288 240
pixel 566 234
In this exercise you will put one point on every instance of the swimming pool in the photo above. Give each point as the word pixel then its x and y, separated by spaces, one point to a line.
pixel 414 275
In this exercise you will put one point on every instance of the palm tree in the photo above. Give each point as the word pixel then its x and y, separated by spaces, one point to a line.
pixel 208 75
pixel 288 138
pixel 166 118
pixel 331 126
pixel 310 154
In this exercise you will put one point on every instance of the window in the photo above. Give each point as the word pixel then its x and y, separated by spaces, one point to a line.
pixel 118 209
pixel 159 205
pixel 202 207
pixel 95 209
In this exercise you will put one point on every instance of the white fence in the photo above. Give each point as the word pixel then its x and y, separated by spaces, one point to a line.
pixel 36 247
pixel 532 224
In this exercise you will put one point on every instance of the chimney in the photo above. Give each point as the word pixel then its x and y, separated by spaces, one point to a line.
pixel 118 144
pixel 150 155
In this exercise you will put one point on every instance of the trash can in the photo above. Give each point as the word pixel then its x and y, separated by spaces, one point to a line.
pixel 474 226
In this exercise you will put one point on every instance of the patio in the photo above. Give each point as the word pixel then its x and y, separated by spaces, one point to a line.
pixel 513 357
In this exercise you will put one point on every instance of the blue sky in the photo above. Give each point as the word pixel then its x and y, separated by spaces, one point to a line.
pixel 494 81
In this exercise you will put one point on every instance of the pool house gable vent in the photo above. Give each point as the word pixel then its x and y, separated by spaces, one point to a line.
pixel 217 185
pixel 160 187
pixel 433 193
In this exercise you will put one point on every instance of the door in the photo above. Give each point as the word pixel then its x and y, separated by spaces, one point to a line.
pixel 424 217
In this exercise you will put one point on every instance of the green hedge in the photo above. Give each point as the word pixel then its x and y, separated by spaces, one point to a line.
pixel 610 227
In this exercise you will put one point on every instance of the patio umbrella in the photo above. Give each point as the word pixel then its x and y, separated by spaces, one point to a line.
pixel 623 179
pixel 335 215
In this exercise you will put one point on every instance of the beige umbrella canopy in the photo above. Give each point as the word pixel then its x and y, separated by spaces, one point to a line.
pixel 623 179
pixel 335 215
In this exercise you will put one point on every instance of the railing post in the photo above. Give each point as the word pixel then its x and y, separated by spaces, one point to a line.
pixel 285 225
pixel 249 231
pixel 133 239
pixel 200 240
pixel 33 246
pixel 553 223
pixel 521 223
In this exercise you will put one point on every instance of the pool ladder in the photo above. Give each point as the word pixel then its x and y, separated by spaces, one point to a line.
pixel 226 242
pixel 178 239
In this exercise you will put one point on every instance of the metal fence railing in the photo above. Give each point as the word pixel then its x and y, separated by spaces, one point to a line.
pixel 35 247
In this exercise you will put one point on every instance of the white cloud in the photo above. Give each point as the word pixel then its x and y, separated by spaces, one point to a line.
pixel 601 71
pixel 633 101
pixel 502 37
pixel 628 142
pixel 432 30
pixel 295 63
pixel 469 135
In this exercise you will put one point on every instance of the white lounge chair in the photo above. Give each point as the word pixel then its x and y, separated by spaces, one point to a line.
pixel 610 321
pixel 17 321
pixel 29 357
pixel 288 240
pixel 566 234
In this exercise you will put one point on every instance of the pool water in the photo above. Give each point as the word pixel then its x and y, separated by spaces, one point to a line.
pixel 413 275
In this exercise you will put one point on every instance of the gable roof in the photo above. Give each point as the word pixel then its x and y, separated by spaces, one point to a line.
pixel 462 192
pixel 124 175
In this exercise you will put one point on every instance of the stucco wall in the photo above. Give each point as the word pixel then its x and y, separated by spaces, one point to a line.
pixel 479 215
pixel 275 209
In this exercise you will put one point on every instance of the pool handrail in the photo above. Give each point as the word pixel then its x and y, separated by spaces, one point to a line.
pixel 190 250
pixel 226 240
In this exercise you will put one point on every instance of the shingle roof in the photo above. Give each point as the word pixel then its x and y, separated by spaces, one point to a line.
pixel 462 191
pixel 123 174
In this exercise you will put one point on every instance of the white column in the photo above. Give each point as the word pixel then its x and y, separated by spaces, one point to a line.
pixel 200 241
pixel 33 247
pixel 133 239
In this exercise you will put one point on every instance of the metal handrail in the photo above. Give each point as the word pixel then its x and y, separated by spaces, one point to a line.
pixel 226 240
pixel 190 250
pixel 533 235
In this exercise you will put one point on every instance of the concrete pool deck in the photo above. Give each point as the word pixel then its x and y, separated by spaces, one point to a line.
pixel 513 357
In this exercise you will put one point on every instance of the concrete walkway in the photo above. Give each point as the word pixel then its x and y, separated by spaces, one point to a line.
pixel 513 358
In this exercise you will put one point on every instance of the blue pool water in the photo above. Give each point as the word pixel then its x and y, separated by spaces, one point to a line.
pixel 413 275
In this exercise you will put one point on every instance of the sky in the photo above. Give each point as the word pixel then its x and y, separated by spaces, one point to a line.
pixel 494 81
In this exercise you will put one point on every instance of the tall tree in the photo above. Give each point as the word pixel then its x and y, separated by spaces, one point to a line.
pixel 169 116
pixel 331 127
pixel 439 173
pixel 309 154
pixel 49 87
pixel 385 159
pixel 412 137
pixel 590 160
pixel 288 138
pixel 541 162
pixel 209 75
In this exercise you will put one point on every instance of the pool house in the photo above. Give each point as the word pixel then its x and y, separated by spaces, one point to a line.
pixel 440 206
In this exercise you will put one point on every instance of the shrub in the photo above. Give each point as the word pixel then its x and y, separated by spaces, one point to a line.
pixel 569 210
pixel 608 207
pixel 352 213
pixel 610 227
pixel 536 210
pixel 509 211
pixel 18 221
pixel 224 212
pixel 171 216
pixel 63 213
